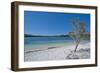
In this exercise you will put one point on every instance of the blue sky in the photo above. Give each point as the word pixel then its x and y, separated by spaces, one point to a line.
pixel 51 23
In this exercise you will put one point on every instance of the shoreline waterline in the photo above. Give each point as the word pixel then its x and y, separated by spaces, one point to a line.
pixel 57 52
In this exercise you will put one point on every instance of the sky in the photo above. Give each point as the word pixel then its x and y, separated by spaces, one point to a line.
pixel 51 23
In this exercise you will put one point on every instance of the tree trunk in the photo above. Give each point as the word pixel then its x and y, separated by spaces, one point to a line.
pixel 77 43
pixel 76 46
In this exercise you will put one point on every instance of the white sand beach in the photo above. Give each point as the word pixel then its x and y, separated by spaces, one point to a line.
pixel 58 53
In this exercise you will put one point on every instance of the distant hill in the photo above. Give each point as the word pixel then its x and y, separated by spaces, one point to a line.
pixel 29 35
pixel 86 36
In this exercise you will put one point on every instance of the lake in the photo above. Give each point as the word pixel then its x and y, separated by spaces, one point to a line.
pixel 33 43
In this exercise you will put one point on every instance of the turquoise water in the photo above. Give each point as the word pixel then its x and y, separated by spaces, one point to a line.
pixel 39 42
pixel 31 43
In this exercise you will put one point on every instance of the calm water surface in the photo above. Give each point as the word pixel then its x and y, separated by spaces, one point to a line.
pixel 42 42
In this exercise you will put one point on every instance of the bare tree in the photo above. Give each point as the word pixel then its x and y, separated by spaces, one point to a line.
pixel 78 32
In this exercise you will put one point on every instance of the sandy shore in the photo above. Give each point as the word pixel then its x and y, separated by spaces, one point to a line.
pixel 58 53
